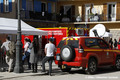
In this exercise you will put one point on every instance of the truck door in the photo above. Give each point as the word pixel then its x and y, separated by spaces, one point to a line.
pixel 107 55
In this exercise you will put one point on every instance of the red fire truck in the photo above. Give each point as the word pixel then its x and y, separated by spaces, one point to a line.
pixel 58 33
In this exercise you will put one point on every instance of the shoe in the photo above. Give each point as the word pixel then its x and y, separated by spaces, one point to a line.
pixel 29 69
pixel 35 71
pixel 44 72
pixel 50 74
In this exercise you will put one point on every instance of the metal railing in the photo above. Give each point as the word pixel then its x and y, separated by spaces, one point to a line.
pixel 67 18
pixel 89 18
pixel 38 15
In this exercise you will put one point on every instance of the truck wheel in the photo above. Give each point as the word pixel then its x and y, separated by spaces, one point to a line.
pixel 67 53
pixel 92 66
pixel 66 69
pixel 117 63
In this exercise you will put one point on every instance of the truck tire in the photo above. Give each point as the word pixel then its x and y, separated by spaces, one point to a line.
pixel 66 69
pixel 67 53
pixel 117 63
pixel 92 66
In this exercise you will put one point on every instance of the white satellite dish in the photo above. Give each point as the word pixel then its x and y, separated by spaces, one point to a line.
pixel 94 10
pixel 99 28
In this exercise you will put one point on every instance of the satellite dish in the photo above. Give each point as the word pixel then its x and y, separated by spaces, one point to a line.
pixel 94 10
pixel 99 29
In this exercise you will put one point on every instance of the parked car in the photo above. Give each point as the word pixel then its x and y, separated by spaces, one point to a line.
pixel 86 52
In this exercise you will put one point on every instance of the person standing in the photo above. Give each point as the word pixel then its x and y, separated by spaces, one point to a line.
pixel 115 43
pixel 8 59
pixel 111 42
pixel 49 51
pixel 34 47
pixel 26 53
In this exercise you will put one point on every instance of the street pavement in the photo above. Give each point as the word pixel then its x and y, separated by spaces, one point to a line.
pixel 75 74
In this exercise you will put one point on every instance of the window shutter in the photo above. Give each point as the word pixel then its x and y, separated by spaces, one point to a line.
pixel 24 4
pixel 10 5
pixel 49 7
pixel 1 6
pixel 118 11
pixel 105 11
pixel 37 6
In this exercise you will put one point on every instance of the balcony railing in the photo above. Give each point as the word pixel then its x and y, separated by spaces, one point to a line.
pixel 67 18
pixel 88 18
pixel 38 15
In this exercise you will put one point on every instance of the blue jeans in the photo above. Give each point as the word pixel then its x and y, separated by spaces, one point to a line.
pixel 27 56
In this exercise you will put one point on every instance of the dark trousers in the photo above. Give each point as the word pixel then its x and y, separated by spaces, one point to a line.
pixel 50 60
pixel 29 64
pixel 34 67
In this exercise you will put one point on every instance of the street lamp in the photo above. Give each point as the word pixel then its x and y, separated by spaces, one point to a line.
pixel 18 65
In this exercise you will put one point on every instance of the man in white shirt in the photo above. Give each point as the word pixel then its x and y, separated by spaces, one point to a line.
pixel 49 51
pixel 9 60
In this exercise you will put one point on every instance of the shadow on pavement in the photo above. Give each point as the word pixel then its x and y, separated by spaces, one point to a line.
pixel 58 72
pixel 104 70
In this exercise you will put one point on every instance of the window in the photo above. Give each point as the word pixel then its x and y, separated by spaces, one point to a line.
pixel 73 43
pixel 102 44
pixel 96 43
pixel 6 5
pixel 61 44
pixel 43 7
pixel 91 43
pixel 112 11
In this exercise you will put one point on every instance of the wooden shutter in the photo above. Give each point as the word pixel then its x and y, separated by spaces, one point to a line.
pixel 49 7
pixel 105 11
pixel 24 4
pixel 83 13
pixel 37 6
pixel 1 6
pixel 10 5
pixel 118 11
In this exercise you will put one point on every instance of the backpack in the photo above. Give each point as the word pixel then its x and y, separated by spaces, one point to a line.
pixel 11 46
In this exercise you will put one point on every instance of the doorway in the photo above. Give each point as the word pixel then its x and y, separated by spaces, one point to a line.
pixel 111 12
pixel 87 12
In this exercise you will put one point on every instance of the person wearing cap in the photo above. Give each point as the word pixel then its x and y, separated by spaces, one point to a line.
pixel 49 51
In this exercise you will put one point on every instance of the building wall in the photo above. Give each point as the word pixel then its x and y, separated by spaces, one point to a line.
pixel 95 2
pixel 9 14
pixel 13 13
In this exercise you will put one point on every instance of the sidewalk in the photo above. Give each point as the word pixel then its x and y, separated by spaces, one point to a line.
pixel 10 75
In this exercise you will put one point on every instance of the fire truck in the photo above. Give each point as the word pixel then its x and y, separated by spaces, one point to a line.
pixel 60 32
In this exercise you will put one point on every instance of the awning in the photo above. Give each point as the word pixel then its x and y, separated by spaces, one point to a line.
pixel 10 26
